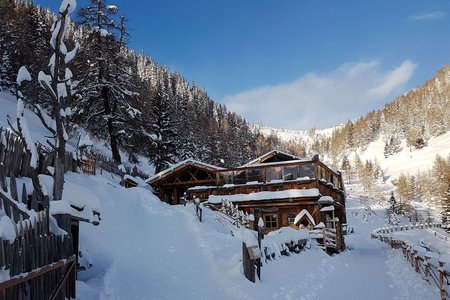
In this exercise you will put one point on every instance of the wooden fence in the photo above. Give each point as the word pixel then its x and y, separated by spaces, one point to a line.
pixel 15 159
pixel 253 256
pixel 430 265
pixel 35 264
pixel 40 265
pixel 105 163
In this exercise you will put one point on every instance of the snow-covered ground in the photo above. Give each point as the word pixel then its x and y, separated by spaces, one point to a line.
pixel 408 161
pixel 146 249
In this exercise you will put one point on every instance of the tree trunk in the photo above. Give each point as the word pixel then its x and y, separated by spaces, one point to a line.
pixel 58 179
pixel 112 135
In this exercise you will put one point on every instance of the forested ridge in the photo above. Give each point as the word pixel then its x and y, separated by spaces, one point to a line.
pixel 415 117
pixel 122 95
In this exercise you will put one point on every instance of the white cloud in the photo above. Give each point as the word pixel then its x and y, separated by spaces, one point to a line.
pixel 429 16
pixel 322 100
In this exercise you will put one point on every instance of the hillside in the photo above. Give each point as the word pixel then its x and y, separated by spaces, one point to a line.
pixel 418 122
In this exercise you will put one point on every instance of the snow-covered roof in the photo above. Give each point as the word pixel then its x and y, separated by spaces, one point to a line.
pixel 327 208
pixel 182 164
pixel 139 181
pixel 201 187
pixel 294 193
pixel 326 200
pixel 270 154
pixel 304 214
pixel 290 162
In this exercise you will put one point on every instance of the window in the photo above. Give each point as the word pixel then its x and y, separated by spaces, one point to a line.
pixel 308 170
pixel 270 221
pixel 273 174
pixel 290 172
pixel 291 218
pixel 225 178
pixel 239 177
pixel 255 175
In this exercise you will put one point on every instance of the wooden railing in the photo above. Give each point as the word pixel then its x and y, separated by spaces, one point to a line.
pixel 429 264
pixel 266 250
pixel 105 163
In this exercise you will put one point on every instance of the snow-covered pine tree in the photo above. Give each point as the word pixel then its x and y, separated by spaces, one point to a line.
pixel 393 210
pixel 346 167
pixel 8 38
pixel 107 95
pixel 163 150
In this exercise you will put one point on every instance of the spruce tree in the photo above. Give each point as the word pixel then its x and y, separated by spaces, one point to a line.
pixel 107 94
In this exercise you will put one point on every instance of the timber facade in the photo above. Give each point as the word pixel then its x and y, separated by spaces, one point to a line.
pixel 281 189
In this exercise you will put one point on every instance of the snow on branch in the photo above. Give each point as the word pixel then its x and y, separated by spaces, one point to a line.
pixel 70 55
pixel 23 75
pixel 67 5
pixel 22 127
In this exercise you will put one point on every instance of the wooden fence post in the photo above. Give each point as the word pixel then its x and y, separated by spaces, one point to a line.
pixel 249 269
pixel 441 279
pixel 258 261
pixel 416 261
pixel 427 267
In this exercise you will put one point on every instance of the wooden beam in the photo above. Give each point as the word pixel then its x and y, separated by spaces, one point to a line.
pixel 187 183
pixel 275 203
pixel 63 280
pixel 33 274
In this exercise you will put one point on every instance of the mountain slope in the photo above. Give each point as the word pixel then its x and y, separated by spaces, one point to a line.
pixel 418 122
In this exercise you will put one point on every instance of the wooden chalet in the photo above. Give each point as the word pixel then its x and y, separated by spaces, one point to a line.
pixel 280 188
pixel 172 184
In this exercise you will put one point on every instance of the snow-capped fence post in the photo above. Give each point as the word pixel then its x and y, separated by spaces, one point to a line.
pixel 198 209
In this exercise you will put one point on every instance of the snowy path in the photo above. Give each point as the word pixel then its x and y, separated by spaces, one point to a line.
pixel 370 270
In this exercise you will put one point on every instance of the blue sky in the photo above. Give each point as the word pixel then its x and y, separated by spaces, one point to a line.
pixel 294 63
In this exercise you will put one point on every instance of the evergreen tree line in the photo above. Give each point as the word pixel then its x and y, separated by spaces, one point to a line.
pixel 123 96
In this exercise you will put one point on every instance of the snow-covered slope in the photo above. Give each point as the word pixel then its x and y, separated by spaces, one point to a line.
pixel 287 135
pixel 408 161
